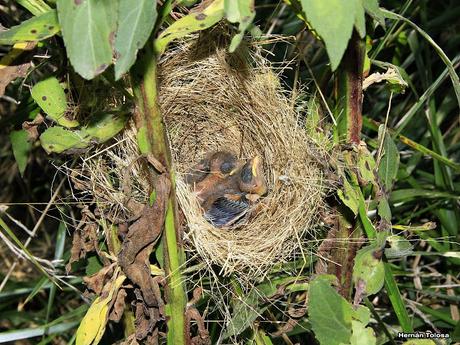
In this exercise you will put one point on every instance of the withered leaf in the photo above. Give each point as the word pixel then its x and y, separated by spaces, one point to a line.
pixel 84 239
pixel 118 306
pixel 142 236
pixel 31 127
pixel 203 335
pixel 97 281
pixel 10 70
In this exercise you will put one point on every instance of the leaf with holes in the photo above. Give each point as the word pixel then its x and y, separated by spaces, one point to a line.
pixel 35 29
pixel 195 21
pixel 50 96
pixel 136 19
pixel 88 28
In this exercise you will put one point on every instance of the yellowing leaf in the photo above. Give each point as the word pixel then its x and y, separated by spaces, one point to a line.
pixel 92 326
pixel 58 139
pixel 34 29
pixel 195 21
pixel 101 128
pixel 50 96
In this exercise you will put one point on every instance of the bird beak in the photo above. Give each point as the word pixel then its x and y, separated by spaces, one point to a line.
pixel 255 164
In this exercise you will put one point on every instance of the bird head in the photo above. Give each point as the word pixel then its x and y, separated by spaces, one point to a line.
pixel 222 163
pixel 252 178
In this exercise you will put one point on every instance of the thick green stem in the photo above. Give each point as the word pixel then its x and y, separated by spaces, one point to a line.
pixel 152 139
pixel 350 91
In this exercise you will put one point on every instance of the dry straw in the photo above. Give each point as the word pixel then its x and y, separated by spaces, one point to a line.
pixel 213 100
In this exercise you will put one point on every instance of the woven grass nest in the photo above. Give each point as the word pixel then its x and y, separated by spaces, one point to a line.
pixel 212 100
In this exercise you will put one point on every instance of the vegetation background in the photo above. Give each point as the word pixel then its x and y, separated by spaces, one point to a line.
pixel 421 278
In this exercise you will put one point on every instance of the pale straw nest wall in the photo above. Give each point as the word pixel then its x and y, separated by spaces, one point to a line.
pixel 213 100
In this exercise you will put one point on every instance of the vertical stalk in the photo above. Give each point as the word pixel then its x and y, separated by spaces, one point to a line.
pixel 349 122
pixel 152 139
pixel 350 91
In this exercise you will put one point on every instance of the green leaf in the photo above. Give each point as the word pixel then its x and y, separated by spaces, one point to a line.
pixel 50 96
pixel 245 311
pixel 34 29
pixel 362 314
pixel 21 148
pixel 103 127
pixel 190 23
pixel 349 195
pixel 369 268
pixel 360 19
pixel 329 313
pixel 366 165
pixel 136 19
pixel 383 209
pixel 362 335
pixel 88 28
pixel 372 8
pixel 242 12
pixel 388 167
pixel 333 20
pixel 58 139
pixel 399 247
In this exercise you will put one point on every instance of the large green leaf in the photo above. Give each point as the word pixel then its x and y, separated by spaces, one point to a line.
pixel 34 29
pixel 21 148
pixel 50 96
pixel 329 313
pixel 242 12
pixel 369 268
pixel 192 22
pixel 136 19
pixel 333 20
pixel 101 128
pixel 88 28
pixel 58 139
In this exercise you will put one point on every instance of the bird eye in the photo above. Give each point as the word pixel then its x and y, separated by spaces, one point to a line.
pixel 246 174
pixel 226 167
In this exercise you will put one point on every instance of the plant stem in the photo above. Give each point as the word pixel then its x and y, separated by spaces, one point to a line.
pixel 350 91
pixel 152 139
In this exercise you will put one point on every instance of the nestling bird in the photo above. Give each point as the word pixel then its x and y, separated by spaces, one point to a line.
pixel 232 191
pixel 252 178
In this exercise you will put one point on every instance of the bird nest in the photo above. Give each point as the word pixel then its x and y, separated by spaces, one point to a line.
pixel 216 101
pixel 213 101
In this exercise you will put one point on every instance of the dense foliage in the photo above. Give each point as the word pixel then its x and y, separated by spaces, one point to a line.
pixel 381 82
